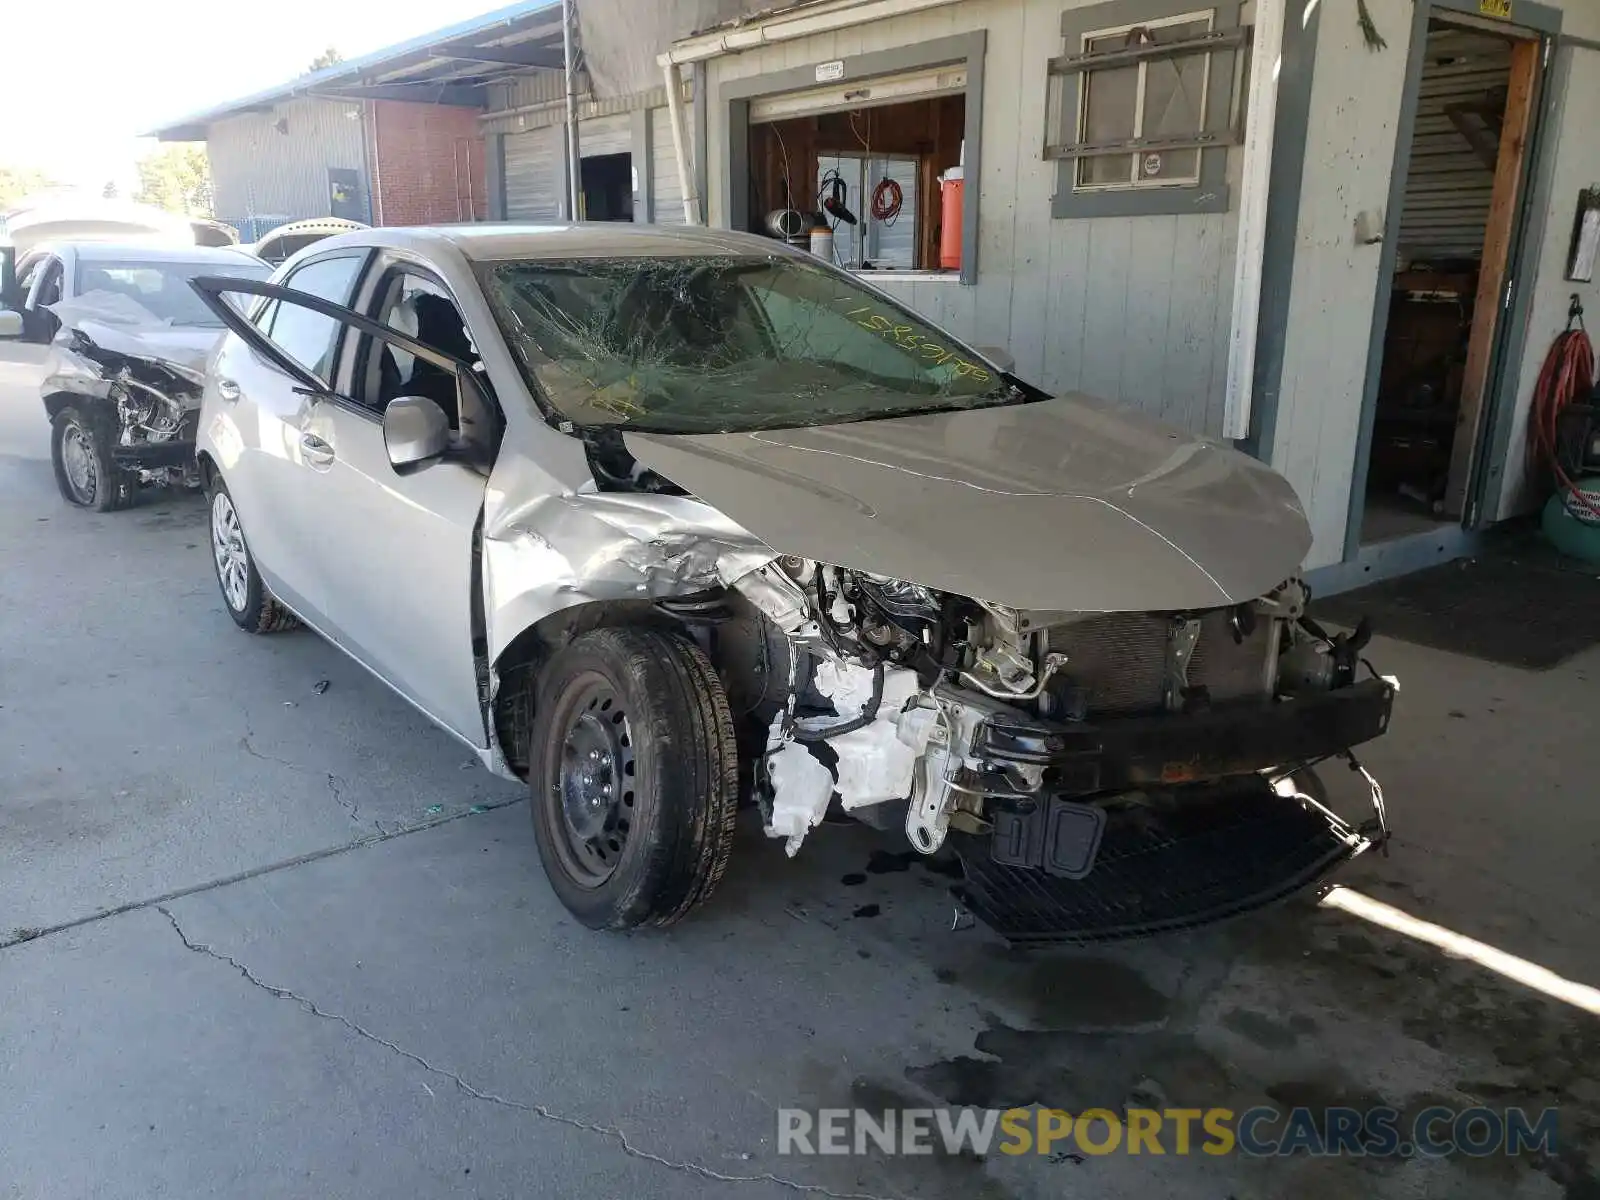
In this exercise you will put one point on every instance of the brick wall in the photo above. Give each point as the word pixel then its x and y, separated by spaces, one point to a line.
pixel 426 164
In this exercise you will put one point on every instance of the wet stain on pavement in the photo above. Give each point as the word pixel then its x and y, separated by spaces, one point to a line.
pixel 1268 1032
pixel 1075 1071
pixel 1059 991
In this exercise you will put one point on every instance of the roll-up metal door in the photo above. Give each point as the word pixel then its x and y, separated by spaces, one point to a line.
pixel 606 135
pixel 664 181
pixel 533 174
pixel 864 93
pixel 1450 177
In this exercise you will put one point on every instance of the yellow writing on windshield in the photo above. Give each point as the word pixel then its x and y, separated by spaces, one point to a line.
pixel 908 339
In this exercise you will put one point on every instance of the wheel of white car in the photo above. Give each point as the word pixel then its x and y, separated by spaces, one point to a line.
pixel 86 474
pixel 633 777
pixel 248 602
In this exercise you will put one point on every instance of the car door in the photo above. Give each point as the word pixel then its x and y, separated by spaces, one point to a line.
pixel 264 389
pixel 41 283
pixel 396 545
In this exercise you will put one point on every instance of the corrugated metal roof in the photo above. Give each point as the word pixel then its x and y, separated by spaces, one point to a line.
pixel 450 65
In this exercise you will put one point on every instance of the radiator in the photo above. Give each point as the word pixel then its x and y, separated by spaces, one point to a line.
pixel 1120 659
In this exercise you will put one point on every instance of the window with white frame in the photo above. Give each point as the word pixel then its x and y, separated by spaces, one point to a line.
pixel 1141 107
pixel 1150 101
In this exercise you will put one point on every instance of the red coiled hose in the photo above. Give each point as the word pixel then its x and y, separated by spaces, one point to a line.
pixel 1566 377
pixel 886 201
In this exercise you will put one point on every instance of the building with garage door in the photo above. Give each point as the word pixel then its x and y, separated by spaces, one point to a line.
pixel 1349 262
pixel 465 123
pixel 391 138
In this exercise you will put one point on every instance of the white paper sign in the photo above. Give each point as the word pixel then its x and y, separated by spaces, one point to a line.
pixel 829 71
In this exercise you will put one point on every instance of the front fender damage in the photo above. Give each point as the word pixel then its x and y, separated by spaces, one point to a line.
pixel 557 551
pixel 144 379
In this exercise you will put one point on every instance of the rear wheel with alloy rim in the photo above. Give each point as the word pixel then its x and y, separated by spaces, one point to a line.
pixel 249 603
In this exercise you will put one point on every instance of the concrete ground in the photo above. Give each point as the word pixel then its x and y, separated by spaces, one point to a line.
pixel 261 941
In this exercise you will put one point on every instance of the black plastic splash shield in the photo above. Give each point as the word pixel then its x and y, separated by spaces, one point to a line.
pixel 1212 853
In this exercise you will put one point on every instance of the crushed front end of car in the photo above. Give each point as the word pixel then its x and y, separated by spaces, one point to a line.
pixel 1044 634
pixel 135 379
pixel 1100 775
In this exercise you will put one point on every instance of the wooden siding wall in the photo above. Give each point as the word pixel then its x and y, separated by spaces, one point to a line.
pixel 1134 309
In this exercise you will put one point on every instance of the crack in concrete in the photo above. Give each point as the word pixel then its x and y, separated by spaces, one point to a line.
pixel 31 933
pixel 336 784
pixel 544 1112
pixel 336 787
pixel 250 749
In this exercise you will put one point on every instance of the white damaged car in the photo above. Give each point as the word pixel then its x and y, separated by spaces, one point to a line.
pixel 128 340
pixel 663 521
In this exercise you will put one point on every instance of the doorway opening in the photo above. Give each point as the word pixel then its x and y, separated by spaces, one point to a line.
pixel 1463 189
pixel 607 187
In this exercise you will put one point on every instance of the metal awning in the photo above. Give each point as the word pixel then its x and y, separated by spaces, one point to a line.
pixel 452 66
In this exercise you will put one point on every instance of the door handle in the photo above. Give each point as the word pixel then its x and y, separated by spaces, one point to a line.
pixel 318 452
pixel 227 389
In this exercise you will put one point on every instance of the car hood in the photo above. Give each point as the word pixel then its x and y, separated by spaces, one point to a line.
pixel 180 345
pixel 1066 504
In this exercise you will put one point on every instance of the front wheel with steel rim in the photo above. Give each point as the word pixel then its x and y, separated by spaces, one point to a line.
pixel 85 472
pixel 633 776
pixel 246 598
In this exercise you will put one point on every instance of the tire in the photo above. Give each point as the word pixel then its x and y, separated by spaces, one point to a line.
pixel 646 709
pixel 244 595
pixel 86 474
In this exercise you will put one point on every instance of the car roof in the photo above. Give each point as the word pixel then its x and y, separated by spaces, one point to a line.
pixel 496 241
pixel 149 253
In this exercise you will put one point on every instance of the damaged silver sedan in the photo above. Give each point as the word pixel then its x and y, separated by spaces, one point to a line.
pixel 128 342
pixel 663 522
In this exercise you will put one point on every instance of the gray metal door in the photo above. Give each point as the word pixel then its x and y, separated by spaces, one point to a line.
pixel 606 135
pixel 534 178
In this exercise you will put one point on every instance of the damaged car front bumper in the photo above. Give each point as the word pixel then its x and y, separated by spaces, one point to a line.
pixel 1193 820
pixel 1163 751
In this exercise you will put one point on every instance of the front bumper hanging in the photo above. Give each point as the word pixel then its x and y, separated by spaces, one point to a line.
pixel 1196 832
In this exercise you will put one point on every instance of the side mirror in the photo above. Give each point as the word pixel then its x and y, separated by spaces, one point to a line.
pixel 999 356
pixel 415 430
pixel 10 324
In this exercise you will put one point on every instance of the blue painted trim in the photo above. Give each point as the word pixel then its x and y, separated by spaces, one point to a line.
pixel 1390 560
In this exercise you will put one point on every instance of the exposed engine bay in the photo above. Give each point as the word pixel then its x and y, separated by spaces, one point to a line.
pixel 137 378
pixel 151 407
pixel 1033 734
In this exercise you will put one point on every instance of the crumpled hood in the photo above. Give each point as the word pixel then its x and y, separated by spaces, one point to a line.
pixel 181 345
pixel 1067 504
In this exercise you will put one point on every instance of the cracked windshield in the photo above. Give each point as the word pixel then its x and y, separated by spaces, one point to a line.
pixel 722 345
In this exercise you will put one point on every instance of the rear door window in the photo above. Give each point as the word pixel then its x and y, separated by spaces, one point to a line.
pixel 308 337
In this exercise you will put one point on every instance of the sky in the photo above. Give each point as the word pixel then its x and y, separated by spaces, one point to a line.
pixel 93 87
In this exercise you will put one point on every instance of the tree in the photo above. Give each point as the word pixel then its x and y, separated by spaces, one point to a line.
pixel 328 58
pixel 178 179
pixel 18 183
